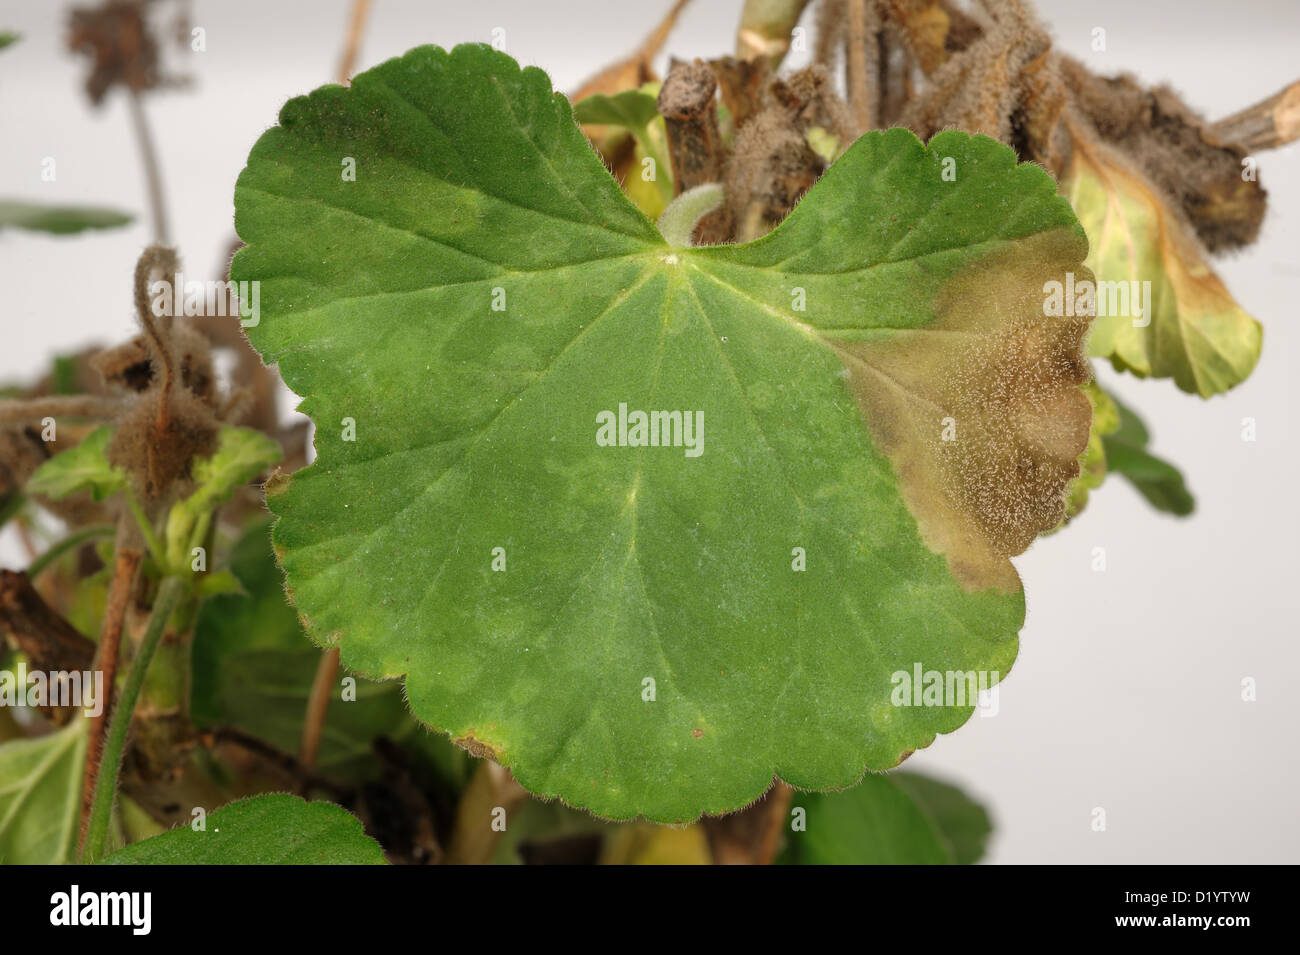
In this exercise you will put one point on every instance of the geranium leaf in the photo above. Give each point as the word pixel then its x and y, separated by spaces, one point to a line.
pixel 633 110
pixel 264 830
pixel 1193 330
pixel 1158 481
pixel 241 455
pixel 59 220
pixel 887 820
pixel 962 822
pixel 40 796
pixel 882 415
pixel 84 467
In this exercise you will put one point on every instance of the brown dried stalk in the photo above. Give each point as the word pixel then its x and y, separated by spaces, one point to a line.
pixel 1267 124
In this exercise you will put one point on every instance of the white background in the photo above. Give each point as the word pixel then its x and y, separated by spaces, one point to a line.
pixel 1126 695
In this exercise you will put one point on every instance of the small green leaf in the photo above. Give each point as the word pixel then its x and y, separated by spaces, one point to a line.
pixel 485 304
pixel 633 110
pixel 219 583
pixel 242 454
pixel 59 220
pixel 264 830
pixel 636 111
pixel 962 822
pixel 40 796
pixel 7 37
pixel 877 822
pixel 84 467
pixel 1158 481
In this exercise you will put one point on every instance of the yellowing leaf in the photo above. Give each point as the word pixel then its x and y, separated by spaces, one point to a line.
pixel 1192 331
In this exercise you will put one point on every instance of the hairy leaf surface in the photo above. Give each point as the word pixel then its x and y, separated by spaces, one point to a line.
pixel 264 830
pixel 655 629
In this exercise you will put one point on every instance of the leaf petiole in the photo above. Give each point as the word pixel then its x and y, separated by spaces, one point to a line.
pixel 169 594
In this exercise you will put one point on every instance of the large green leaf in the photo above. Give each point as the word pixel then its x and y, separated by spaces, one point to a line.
pixel 253 669
pixel 40 796
pixel 888 819
pixel 264 830
pixel 825 360
pixel 59 220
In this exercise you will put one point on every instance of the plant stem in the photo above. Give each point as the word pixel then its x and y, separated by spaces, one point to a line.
pixel 318 702
pixel 156 549
pixel 57 550
pixel 110 642
pixel 152 175
pixel 111 762
pixel 677 222
pixel 862 63
pixel 474 839
pixel 777 811
pixel 352 43
pixel 1267 124
pixel 28 410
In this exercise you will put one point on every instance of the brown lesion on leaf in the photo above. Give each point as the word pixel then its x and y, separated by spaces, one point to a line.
pixel 477 747
pixel 277 483
pixel 1002 381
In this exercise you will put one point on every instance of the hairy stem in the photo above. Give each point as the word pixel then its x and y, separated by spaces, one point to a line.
pixel 863 63
pixel 101 810
pixel 110 642
pixel 677 223
pixel 30 410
